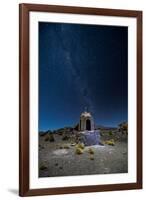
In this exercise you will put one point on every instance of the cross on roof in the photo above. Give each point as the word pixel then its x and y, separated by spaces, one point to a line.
pixel 86 109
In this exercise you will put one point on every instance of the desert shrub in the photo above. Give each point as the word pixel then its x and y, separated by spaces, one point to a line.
pixel 123 128
pixel 50 138
pixel 110 142
pixel 80 145
pixel 65 137
pixel 43 134
pixel 110 133
pixel 47 138
pixel 43 167
pixel 91 157
pixel 78 151
pixel 66 146
pixel 91 151
pixel 101 134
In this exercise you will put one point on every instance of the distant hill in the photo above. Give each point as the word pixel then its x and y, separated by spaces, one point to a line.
pixel 104 127
pixel 70 129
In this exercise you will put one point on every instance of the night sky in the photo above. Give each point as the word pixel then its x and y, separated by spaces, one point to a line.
pixel 82 66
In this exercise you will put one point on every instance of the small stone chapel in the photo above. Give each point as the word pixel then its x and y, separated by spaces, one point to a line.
pixel 86 122
pixel 88 134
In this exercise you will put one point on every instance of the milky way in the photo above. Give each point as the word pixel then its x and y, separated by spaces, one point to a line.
pixel 80 84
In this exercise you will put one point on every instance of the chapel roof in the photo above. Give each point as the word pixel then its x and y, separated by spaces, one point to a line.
pixel 85 114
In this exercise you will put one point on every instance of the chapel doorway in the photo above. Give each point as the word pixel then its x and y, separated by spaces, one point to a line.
pixel 88 125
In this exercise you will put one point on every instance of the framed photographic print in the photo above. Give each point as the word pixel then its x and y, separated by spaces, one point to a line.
pixel 80 99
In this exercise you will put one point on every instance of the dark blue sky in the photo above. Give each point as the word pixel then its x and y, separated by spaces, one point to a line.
pixel 82 65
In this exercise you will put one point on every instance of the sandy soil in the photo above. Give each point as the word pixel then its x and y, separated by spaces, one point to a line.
pixel 58 158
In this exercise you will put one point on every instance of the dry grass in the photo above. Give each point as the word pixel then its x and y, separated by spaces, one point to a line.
pixel 91 151
pixel 80 145
pixel 66 146
pixel 78 150
pixel 91 157
pixel 43 167
pixel 50 138
pixel 110 142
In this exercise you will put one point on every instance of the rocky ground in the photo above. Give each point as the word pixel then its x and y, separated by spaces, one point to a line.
pixel 59 154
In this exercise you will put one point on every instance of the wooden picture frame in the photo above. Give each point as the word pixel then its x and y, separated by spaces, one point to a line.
pixel 24 106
